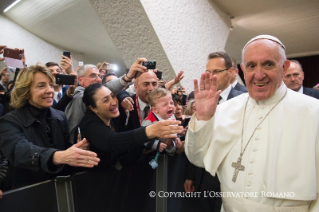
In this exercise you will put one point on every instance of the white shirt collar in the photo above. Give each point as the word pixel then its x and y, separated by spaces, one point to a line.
pixel 234 84
pixel 224 94
pixel 300 90
pixel 142 105
pixel 56 95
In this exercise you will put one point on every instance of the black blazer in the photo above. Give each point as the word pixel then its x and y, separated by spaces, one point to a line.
pixel 240 87
pixel 195 173
pixel 29 149
pixel 311 92
pixel 233 92
pixel 109 145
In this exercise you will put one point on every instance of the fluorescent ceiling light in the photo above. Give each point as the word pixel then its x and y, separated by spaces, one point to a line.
pixel 11 5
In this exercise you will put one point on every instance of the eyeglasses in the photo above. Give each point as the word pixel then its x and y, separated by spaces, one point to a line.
pixel 7 75
pixel 217 71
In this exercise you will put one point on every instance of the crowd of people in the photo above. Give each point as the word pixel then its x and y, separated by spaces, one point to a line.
pixel 104 121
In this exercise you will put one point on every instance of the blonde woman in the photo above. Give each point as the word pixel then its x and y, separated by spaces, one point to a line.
pixel 35 137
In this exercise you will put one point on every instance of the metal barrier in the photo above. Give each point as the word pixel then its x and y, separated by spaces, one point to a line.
pixel 104 190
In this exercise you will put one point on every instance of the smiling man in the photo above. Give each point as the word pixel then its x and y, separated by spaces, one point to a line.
pixel 257 142
pixel 144 84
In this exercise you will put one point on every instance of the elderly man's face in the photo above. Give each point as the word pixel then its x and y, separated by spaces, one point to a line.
pixel 263 68
pixel 146 83
pixel 294 77
pixel 216 66
pixel 91 77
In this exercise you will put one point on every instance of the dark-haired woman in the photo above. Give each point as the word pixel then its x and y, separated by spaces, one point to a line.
pixel 96 127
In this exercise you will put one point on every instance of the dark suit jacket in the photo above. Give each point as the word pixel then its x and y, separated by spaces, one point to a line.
pixel 240 87
pixel 195 173
pixel 311 92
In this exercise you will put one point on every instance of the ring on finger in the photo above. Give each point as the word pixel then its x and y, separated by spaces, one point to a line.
pixel 202 89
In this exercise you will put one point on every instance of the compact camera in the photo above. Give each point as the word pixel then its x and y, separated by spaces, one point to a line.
pixel 149 64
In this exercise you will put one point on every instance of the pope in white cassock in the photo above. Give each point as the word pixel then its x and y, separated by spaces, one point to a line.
pixel 264 145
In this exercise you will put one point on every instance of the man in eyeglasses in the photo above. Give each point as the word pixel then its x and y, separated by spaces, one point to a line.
pixel 198 179
pixel 219 64
pixel 5 77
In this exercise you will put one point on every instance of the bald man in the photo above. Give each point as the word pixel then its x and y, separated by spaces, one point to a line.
pixel 294 77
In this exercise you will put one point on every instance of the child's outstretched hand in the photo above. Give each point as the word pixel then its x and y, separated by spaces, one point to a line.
pixel 178 143
pixel 162 147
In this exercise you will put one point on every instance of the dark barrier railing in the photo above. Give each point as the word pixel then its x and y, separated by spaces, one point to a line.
pixel 133 188
pixel 37 197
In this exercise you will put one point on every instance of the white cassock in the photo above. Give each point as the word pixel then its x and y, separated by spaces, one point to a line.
pixel 282 157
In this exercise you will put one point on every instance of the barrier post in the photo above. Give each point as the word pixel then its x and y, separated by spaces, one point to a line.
pixel 65 190
pixel 161 183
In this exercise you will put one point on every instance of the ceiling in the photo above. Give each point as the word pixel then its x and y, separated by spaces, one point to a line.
pixel 68 24
pixel 294 22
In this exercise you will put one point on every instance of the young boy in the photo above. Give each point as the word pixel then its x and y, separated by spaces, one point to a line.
pixel 162 108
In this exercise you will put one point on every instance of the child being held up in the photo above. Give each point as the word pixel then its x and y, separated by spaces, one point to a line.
pixel 162 108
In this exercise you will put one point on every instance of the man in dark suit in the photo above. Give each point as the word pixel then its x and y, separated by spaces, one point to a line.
pixel 294 77
pixel 199 180
pixel 233 79
pixel 59 90
pixel 144 84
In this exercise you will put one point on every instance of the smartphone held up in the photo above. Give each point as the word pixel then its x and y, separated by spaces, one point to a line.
pixel 13 57
pixel 62 79
pixel 67 54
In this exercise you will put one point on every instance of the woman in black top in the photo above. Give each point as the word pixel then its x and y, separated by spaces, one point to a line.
pixel 35 137
pixel 96 127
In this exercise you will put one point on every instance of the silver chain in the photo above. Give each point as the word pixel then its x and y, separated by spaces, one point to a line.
pixel 242 131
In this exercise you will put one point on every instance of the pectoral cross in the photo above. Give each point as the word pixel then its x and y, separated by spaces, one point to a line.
pixel 237 167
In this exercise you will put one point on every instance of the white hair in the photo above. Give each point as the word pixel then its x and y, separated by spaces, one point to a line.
pixel 84 69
